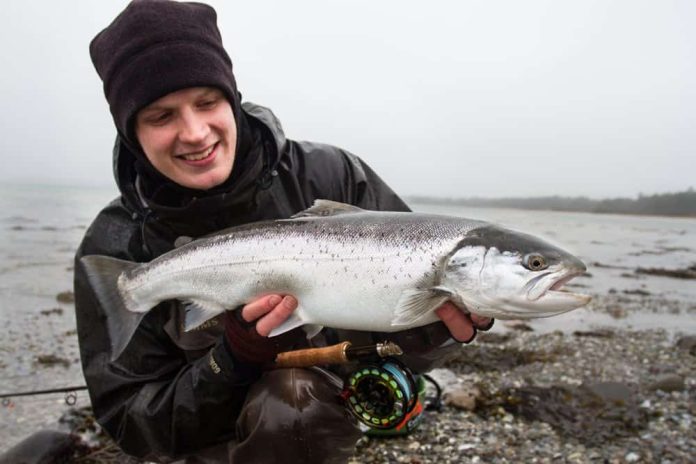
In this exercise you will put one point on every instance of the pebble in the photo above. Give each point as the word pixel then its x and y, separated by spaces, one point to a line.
pixel 65 297
pixel 668 383
pixel 687 343
pixel 414 446
pixel 617 311
pixel 613 392
pixel 464 398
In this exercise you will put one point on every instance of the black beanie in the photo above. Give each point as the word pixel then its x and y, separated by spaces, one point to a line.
pixel 155 47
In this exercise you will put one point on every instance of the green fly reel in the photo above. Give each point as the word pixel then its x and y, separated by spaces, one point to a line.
pixel 383 396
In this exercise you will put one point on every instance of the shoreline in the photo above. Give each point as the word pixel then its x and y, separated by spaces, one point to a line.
pixel 454 203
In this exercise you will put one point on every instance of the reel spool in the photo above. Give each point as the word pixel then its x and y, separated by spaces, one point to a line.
pixel 383 396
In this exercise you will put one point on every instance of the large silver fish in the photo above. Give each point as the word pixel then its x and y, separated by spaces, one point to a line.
pixel 349 269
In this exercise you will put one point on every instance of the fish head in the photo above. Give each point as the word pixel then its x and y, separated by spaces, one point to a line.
pixel 505 274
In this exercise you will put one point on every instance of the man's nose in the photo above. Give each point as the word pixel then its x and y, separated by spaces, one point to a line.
pixel 193 128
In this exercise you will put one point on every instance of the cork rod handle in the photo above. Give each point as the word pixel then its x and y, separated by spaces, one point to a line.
pixel 335 354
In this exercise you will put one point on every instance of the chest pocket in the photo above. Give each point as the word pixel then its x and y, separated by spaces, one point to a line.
pixel 196 342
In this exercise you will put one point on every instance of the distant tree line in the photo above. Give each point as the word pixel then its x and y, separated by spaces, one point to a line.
pixel 665 204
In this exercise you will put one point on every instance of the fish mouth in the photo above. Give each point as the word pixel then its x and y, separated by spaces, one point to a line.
pixel 559 292
pixel 549 288
pixel 558 286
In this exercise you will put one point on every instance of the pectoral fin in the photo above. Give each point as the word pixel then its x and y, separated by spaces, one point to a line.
pixel 294 321
pixel 415 304
pixel 312 329
pixel 199 311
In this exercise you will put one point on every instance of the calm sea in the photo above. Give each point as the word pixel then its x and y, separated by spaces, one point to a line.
pixel 41 227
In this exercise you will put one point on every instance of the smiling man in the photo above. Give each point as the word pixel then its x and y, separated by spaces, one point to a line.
pixel 190 160
pixel 189 136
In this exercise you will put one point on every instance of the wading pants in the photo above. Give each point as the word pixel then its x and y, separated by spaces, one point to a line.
pixel 290 416
pixel 295 415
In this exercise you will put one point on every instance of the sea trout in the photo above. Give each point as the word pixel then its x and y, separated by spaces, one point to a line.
pixel 349 269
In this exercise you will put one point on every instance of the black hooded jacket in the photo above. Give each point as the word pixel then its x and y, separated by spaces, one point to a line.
pixel 171 393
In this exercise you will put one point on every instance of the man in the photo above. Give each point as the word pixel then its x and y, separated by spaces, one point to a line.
pixel 190 160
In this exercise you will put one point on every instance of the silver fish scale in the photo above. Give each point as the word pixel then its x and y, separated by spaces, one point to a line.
pixel 347 271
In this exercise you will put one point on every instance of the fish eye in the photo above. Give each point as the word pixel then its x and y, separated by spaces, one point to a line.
pixel 535 262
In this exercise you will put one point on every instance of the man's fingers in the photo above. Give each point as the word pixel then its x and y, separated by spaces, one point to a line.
pixel 481 322
pixel 277 316
pixel 458 323
pixel 258 308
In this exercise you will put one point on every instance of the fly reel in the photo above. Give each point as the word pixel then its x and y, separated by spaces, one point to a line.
pixel 382 393
pixel 383 396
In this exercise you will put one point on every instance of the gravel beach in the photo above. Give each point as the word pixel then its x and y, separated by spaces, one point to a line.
pixel 601 394
pixel 610 396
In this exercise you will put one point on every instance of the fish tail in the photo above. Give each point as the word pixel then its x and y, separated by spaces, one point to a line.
pixel 122 320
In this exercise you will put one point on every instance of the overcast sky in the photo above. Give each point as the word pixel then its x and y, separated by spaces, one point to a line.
pixel 449 98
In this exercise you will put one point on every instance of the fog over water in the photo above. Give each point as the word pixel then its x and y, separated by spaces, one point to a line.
pixel 447 98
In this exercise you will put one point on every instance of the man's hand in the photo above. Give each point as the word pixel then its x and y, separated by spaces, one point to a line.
pixel 270 310
pixel 247 329
pixel 462 326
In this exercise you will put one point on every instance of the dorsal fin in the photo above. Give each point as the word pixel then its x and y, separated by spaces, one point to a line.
pixel 323 208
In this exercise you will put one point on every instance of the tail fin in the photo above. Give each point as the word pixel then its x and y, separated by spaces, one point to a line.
pixel 103 273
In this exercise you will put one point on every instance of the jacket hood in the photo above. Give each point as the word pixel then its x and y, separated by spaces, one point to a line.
pixel 260 161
